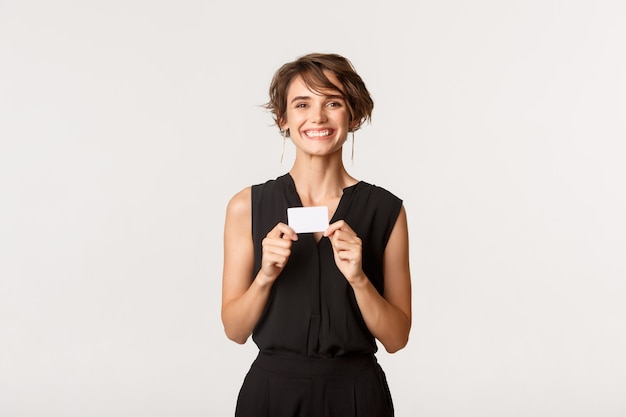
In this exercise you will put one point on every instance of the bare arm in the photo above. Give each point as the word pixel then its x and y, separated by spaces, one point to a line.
pixel 388 318
pixel 244 298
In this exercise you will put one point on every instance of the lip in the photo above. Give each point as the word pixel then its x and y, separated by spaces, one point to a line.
pixel 318 134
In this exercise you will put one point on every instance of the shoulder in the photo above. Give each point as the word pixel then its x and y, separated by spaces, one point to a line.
pixel 272 184
pixel 381 207
pixel 270 190
pixel 386 193
pixel 239 204
pixel 380 194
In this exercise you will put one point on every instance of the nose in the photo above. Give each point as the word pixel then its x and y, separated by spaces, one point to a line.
pixel 318 114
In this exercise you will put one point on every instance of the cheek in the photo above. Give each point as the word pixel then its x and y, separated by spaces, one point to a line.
pixel 295 118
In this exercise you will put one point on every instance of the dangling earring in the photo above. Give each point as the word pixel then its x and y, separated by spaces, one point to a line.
pixel 284 140
pixel 352 153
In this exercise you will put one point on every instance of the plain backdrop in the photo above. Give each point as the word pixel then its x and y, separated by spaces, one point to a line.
pixel 126 126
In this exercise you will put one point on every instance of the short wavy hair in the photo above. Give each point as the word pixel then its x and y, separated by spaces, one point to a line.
pixel 311 68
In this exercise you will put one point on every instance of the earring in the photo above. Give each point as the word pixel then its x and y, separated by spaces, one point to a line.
pixel 283 151
pixel 352 153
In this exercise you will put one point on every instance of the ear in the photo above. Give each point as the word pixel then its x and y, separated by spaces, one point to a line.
pixel 353 124
pixel 282 123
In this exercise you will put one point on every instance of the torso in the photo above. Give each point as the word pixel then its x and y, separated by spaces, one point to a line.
pixel 331 203
pixel 312 310
pixel 332 207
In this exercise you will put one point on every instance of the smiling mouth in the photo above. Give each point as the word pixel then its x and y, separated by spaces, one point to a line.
pixel 317 133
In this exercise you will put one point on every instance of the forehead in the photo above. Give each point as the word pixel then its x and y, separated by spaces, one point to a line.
pixel 299 87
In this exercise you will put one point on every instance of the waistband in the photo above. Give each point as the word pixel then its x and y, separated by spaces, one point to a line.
pixel 302 365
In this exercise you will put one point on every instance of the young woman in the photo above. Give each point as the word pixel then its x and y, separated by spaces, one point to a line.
pixel 315 303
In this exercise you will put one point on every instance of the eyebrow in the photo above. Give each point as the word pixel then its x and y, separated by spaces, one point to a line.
pixel 331 97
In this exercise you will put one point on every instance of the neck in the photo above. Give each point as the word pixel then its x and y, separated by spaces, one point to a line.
pixel 318 179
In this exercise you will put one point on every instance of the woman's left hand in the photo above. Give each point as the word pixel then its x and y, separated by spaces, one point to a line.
pixel 347 247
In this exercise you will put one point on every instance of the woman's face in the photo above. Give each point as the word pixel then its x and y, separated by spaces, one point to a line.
pixel 318 123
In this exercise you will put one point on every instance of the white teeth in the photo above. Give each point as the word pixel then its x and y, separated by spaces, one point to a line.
pixel 318 133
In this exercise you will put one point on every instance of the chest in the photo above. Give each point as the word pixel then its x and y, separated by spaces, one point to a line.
pixel 330 203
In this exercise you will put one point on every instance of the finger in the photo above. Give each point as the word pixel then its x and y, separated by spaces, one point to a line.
pixel 277 250
pixel 341 237
pixel 338 225
pixel 278 247
pixel 283 231
pixel 352 255
pixel 276 260
pixel 276 256
pixel 348 257
pixel 283 242
pixel 346 247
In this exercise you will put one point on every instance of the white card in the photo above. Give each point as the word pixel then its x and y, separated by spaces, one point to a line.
pixel 308 219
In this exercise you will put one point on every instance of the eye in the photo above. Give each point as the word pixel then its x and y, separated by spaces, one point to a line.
pixel 300 105
pixel 334 104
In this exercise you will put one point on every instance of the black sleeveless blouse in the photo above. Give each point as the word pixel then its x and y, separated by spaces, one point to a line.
pixel 312 310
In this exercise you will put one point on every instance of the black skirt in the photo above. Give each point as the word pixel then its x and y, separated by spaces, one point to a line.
pixel 292 386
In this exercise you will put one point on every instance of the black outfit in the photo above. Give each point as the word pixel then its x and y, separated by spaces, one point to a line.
pixel 316 354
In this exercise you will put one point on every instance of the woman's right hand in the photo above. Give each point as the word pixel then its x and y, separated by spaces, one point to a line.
pixel 276 250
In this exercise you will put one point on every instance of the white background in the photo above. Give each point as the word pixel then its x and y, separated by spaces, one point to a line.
pixel 125 127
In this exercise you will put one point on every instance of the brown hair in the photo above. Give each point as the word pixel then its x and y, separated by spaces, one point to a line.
pixel 311 68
